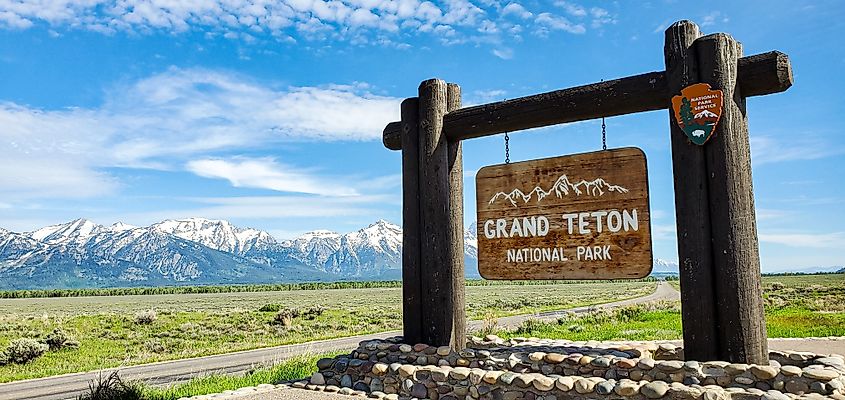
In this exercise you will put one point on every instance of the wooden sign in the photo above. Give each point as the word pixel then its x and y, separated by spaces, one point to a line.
pixel 697 111
pixel 583 216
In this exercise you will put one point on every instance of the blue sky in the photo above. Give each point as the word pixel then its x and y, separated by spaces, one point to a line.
pixel 269 114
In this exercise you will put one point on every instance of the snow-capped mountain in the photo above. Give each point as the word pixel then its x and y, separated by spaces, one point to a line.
pixel 82 253
pixel 216 234
pixel 373 251
pixel 314 248
pixel 664 267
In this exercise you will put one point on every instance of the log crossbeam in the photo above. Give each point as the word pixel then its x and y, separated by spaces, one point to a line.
pixel 757 75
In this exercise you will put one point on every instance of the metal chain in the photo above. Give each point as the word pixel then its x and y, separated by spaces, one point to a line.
pixel 603 135
pixel 507 149
pixel 603 132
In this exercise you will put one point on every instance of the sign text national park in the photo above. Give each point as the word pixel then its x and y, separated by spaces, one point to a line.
pixel 583 216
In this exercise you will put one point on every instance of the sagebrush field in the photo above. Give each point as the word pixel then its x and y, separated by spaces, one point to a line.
pixel 136 329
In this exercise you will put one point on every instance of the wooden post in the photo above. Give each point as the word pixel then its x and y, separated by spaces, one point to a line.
pixel 411 278
pixel 692 214
pixel 736 256
pixel 456 227
pixel 438 302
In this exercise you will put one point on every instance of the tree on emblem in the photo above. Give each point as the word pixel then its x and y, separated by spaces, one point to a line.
pixel 686 112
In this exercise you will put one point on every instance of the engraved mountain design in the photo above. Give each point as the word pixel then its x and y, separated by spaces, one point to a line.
pixel 562 187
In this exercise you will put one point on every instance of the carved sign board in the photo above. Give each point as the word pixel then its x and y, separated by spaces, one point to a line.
pixel 582 216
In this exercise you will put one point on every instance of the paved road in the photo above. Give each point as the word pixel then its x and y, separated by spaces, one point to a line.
pixel 68 386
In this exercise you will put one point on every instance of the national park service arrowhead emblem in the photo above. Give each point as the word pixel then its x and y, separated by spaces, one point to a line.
pixel 697 111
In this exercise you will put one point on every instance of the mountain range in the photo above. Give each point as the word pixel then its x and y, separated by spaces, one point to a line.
pixel 560 188
pixel 197 251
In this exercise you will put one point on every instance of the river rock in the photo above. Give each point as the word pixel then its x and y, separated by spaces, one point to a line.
pixel 543 383
pixel 764 371
pixel 318 379
pixel 626 388
pixel 584 385
pixel 821 374
pixel 565 383
pixel 654 390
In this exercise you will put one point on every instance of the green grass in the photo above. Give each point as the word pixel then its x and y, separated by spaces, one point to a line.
pixel 796 306
pixel 293 369
pixel 193 325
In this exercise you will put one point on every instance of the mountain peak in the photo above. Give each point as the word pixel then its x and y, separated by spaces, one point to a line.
pixel 79 229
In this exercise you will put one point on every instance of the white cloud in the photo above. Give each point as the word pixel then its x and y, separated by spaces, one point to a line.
pixel 835 240
pixel 360 22
pixel 712 18
pixel 548 21
pixel 517 10
pixel 165 120
pixel 266 173
pixel 503 53
pixel 573 9
pixel 770 149
pixel 260 207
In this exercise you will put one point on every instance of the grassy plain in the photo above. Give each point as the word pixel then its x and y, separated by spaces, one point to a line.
pixel 192 325
pixel 796 306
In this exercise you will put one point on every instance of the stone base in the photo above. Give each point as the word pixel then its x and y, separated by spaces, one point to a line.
pixel 538 369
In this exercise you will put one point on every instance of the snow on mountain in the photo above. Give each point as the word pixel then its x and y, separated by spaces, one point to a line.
pixel 373 251
pixel 81 253
pixel 78 231
pixel 471 241
pixel 314 248
pixel 664 266
pixel 216 234
pixel 120 227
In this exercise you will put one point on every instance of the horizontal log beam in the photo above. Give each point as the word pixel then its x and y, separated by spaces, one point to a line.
pixel 758 75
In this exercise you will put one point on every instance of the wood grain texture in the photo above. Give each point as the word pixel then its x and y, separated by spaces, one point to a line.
pixel 435 266
pixel 563 192
pixel 736 256
pixel 456 228
pixel 411 274
pixel 760 74
pixel 692 212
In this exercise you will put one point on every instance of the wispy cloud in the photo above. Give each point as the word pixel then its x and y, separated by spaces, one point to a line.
pixel 266 173
pixel 547 22
pixel 834 240
pixel 713 18
pixel 168 119
pixel 770 149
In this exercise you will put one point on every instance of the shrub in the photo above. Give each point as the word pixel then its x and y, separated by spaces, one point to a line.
pixel 529 325
pixel 575 328
pixel 490 324
pixel 285 317
pixel 146 317
pixel 313 312
pixel 24 350
pixel 112 388
pixel 270 307
pixel 777 286
pixel 58 340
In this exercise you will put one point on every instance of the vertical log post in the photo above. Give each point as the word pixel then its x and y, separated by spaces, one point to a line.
pixel 736 255
pixel 456 227
pixel 692 214
pixel 438 302
pixel 411 277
